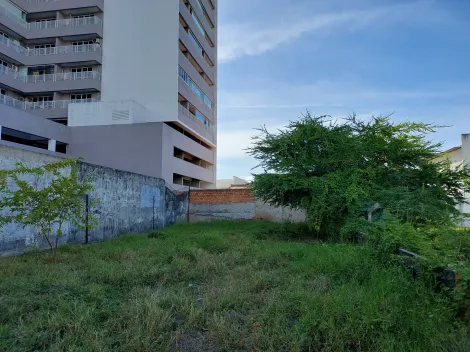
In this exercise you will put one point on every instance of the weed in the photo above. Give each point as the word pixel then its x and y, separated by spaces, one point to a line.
pixel 220 287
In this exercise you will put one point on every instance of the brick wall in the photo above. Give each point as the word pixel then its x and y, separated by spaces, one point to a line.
pixel 222 196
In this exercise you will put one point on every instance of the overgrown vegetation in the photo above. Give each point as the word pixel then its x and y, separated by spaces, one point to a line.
pixel 221 286
pixel 338 170
pixel 44 198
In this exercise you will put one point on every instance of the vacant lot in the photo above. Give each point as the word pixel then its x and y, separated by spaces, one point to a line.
pixel 224 286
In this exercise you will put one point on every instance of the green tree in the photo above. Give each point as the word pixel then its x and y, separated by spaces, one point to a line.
pixel 336 170
pixel 45 198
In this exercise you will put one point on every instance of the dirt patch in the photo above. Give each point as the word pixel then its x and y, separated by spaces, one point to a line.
pixel 195 342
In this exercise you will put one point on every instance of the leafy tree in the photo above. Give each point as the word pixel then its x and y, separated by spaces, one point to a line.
pixel 336 170
pixel 45 198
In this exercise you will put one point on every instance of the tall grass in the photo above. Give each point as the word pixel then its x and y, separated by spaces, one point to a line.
pixel 222 286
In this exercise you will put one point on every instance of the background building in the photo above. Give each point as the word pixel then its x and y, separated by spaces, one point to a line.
pixel 233 183
pixel 124 84
pixel 458 156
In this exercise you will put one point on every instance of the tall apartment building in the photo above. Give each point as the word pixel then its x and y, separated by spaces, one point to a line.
pixel 124 84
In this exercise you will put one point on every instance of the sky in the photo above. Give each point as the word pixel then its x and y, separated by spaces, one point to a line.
pixel 279 58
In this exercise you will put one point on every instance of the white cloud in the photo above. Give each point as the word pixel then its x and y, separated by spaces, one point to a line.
pixel 237 40
pixel 330 94
pixel 231 144
pixel 241 112
pixel 247 39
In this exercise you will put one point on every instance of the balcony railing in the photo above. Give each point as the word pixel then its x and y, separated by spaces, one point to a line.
pixel 15 74
pixel 193 117
pixel 43 105
pixel 53 77
pixel 67 76
pixel 12 43
pixel 194 87
pixel 40 1
pixel 62 50
pixel 68 22
pixel 56 50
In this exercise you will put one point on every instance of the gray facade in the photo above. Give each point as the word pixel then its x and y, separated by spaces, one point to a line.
pixel 62 53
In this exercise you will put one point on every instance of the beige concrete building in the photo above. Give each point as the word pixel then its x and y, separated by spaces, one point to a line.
pixel 124 84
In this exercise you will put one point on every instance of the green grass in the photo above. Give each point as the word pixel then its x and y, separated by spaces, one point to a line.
pixel 219 287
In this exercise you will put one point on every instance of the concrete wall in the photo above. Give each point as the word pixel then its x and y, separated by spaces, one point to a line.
pixel 23 121
pixel 135 148
pixel 125 203
pixel 237 204
pixel 140 54
pixel 170 164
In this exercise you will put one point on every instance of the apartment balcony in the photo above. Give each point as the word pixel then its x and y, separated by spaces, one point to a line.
pixel 185 64
pixel 63 28
pixel 210 32
pixel 192 122
pixel 90 53
pixel 48 109
pixel 210 12
pixel 188 169
pixel 32 6
pixel 195 99
pixel 200 37
pixel 58 82
pixel 196 52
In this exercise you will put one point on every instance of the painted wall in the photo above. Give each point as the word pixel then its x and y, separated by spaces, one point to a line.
pixel 125 203
pixel 237 204
pixel 140 55
pixel 135 147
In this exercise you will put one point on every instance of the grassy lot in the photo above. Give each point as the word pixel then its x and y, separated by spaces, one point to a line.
pixel 219 287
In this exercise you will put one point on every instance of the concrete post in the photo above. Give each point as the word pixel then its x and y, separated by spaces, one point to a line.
pixel 52 145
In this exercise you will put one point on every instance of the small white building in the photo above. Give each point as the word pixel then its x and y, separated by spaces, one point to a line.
pixel 231 183
pixel 457 156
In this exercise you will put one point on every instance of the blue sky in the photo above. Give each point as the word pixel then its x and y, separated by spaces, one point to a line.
pixel 278 58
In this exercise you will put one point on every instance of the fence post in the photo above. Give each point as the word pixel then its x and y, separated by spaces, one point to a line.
pixel 86 217
pixel 189 201
pixel 153 213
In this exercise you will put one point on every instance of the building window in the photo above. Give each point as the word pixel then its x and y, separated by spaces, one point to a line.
pixel 198 23
pixel 77 98
pixel 45 23
pixel 84 19
pixel 41 99
pixel 194 40
pixel 81 72
pixel 40 70
pixel 43 49
pixel 3 66
pixel 84 42
pixel 43 46
pixel 82 69
pixel 45 20
pixel 3 92
pixel 185 77
pixel 82 46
